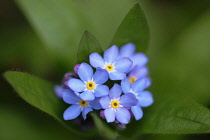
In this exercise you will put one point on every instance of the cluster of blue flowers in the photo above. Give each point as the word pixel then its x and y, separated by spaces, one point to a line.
pixel 87 90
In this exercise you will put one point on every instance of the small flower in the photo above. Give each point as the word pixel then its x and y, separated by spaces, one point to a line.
pixel 137 72
pixel 117 68
pixel 90 84
pixel 115 105
pixel 128 50
pixel 78 105
pixel 145 98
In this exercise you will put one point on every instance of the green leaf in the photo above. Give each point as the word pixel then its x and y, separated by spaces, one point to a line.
pixel 171 115
pixel 24 124
pixel 103 129
pixel 176 115
pixel 39 93
pixel 88 45
pixel 134 28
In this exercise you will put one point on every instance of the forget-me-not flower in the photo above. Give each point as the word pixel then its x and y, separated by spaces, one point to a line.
pixel 89 85
pixel 145 98
pixel 137 72
pixel 78 105
pixel 117 68
pixel 115 105
pixel 128 50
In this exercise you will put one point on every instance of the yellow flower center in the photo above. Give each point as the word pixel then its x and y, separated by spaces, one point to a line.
pixel 109 67
pixel 90 85
pixel 115 104
pixel 83 103
pixel 132 79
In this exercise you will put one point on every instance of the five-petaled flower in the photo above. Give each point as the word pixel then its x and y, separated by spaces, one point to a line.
pixel 89 85
pixel 145 98
pixel 115 66
pixel 78 105
pixel 115 105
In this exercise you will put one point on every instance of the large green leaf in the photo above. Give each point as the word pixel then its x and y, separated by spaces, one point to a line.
pixel 88 45
pixel 40 94
pixel 175 115
pixel 170 115
pixel 20 123
pixel 134 28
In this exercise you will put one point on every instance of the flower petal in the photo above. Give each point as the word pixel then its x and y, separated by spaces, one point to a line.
pixel 96 60
pixel 139 59
pixel 117 75
pixel 101 90
pixel 70 97
pixel 105 102
pixel 85 111
pixel 123 115
pixel 100 76
pixel 145 99
pixel 125 84
pixel 76 85
pixel 137 112
pixel 58 91
pixel 115 91
pixel 139 72
pixel 87 95
pixel 111 54
pixel 109 115
pixel 127 50
pixel 148 83
pixel 123 64
pixel 139 85
pixel 85 72
pixel 95 104
pixel 128 100
pixel 72 112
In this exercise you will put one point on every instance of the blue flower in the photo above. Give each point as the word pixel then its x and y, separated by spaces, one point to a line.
pixel 90 85
pixel 145 98
pixel 117 68
pixel 115 105
pixel 138 72
pixel 128 50
pixel 78 105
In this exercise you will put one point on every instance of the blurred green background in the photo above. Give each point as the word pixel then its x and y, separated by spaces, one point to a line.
pixel 33 41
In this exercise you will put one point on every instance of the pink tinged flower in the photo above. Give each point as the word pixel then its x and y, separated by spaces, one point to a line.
pixel 76 67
